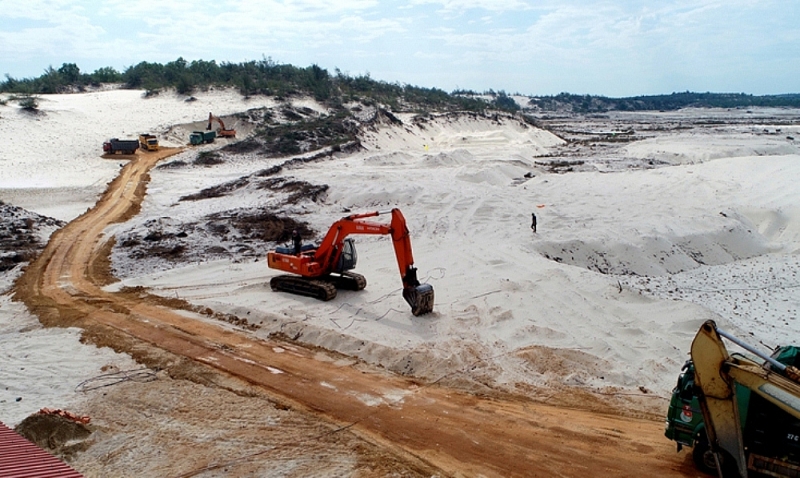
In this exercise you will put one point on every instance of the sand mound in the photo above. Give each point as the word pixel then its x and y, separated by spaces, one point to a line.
pixel 492 135
pixel 694 149
pixel 62 436
pixel 658 255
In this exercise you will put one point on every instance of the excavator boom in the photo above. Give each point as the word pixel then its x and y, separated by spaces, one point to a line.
pixel 330 261
pixel 762 436
pixel 222 131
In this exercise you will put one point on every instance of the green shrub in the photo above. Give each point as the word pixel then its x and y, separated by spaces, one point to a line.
pixel 29 103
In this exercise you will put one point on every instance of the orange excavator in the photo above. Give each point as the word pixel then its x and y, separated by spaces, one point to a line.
pixel 318 271
pixel 222 131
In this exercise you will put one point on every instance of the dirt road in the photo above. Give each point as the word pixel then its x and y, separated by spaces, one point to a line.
pixel 440 428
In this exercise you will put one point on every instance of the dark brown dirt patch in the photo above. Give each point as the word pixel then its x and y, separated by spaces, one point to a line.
pixel 58 434
pixel 262 226
pixel 218 190
pixel 241 147
pixel 297 190
pixel 19 235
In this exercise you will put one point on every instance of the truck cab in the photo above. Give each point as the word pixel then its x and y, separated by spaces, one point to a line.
pixel 148 142
pixel 685 424
pixel 684 416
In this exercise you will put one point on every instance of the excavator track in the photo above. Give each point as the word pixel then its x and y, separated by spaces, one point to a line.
pixel 350 281
pixel 316 288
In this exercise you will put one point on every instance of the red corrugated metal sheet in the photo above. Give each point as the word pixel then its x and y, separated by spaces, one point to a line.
pixel 20 458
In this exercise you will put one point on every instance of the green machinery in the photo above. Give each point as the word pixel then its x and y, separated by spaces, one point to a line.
pixel 740 416
pixel 200 137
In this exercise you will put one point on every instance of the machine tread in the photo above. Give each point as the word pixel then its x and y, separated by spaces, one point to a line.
pixel 318 289
pixel 351 281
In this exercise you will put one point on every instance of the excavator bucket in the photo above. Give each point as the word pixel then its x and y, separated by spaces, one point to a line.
pixel 420 298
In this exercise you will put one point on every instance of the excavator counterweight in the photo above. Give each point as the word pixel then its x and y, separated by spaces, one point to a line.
pixel 319 271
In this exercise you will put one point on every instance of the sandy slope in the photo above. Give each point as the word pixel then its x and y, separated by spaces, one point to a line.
pixel 502 291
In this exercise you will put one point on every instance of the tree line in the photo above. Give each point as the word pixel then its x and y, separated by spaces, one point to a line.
pixel 266 77
pixel 262 77
pixel 670 102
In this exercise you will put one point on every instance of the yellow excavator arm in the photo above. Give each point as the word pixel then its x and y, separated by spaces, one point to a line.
pixel 716 374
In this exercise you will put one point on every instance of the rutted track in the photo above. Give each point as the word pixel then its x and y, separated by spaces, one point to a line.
pixel 455 432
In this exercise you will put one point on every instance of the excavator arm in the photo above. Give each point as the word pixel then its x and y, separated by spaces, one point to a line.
pixel 211 119
pixel 223 131
pixel 330 248
pixel 716 373
pixel 324 259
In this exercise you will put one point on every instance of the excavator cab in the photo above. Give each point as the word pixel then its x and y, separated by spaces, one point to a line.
pixel 348 257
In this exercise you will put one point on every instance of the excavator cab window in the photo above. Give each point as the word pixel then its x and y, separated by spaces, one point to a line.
pixel 347 260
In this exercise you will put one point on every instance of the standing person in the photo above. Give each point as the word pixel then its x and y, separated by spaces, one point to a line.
pixel 297 241
pixel 533 221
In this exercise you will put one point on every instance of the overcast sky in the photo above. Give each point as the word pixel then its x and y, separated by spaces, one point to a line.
pixel 536 47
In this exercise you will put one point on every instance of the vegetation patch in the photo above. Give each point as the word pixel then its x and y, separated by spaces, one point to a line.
pixel 248 145
pixel 306 135
pixel 172 165
pixel 561 166
pixel 208 158
pixel 217 191
pixel 19 235
pixel 297 190
pixel 233 234
pixel 259 226
pixel 29 103
pixel 263 77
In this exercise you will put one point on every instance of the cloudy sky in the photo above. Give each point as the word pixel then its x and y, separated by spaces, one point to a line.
pixel 537 47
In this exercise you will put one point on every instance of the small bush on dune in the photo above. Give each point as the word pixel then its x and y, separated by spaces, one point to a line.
pixel 29 103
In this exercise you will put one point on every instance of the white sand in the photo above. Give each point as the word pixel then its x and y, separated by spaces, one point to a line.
pixel 719 225
pixel 41 367
pixel 51 162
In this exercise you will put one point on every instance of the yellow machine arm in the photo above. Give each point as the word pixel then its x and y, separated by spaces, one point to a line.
pixel 716 373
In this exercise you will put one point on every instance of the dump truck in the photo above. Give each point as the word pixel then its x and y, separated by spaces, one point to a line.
pixel 121 146
pixel 148 142
pixel 740 416
pixel 200 137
